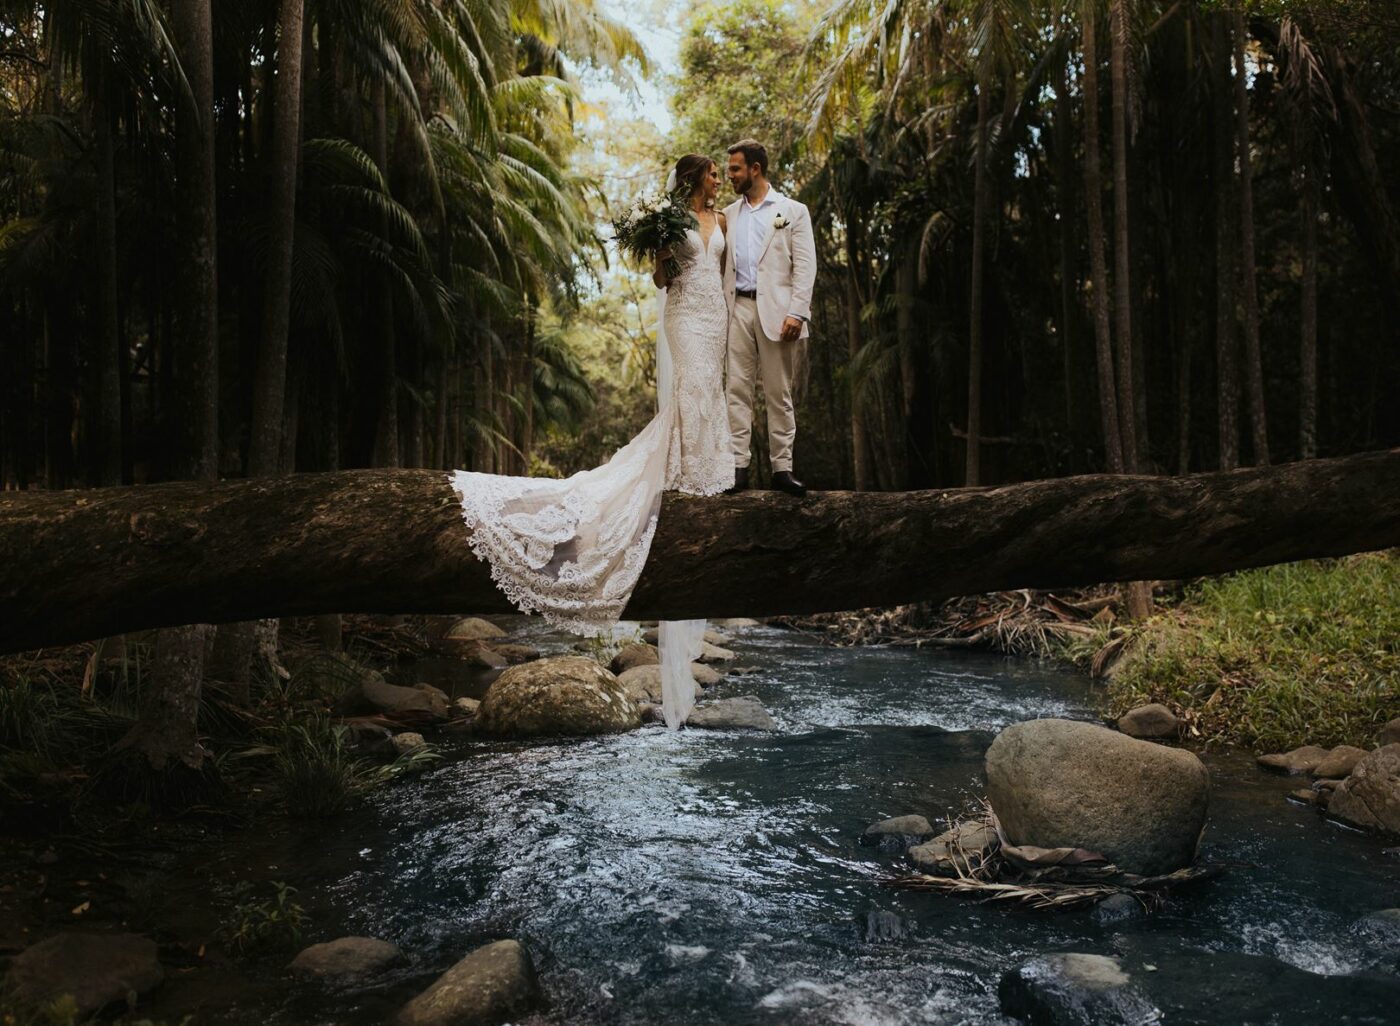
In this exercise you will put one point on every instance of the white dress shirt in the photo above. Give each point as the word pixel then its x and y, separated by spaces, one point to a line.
pixel 749 234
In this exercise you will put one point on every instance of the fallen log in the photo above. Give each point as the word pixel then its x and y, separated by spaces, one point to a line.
pixel 83 564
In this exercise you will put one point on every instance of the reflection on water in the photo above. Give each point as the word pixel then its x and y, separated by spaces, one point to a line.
pixel 715 877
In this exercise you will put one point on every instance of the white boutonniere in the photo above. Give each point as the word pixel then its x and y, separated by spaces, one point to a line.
pixel 780 222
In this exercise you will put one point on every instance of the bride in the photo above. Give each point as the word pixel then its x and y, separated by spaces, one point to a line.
pixel 573 550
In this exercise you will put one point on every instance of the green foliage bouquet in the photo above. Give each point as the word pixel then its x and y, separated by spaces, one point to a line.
pixel 655 222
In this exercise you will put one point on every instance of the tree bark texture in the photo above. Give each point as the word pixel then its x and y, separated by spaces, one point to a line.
pixel 1098 259
pixel 270 386
pixel 1122 280
pixel 974 348
pixel 1254 361
pixel 84 564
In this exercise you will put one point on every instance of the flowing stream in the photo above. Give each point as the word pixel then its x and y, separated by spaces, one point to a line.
pixel 716 877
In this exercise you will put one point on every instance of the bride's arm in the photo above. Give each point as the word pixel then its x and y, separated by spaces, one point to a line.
pixel 724 227
pixel 658 275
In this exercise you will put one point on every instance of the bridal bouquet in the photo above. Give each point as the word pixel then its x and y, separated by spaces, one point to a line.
pixel 658 221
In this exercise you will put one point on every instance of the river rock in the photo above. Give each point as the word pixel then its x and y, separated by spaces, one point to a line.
pixel 467 706
pixel 1150 721
pixel 1074 989
pixel 473 629
pixel 714 654
pixel 1299 760
pixel 345 957
pixel 95 969
pixel 1370 797
pixel 1340 762
pixel 881 926
pixel 1116 908
pixel 1059 783
pixel 514 653
pixel 407 742
pixel 570 695
pixel 491 985
pixel 952 851
pixel 634 654
pixel 705 675
pixel 1390 733
pixel 372 692
pixel 643 683
pixel 744 713
pixel 735 623
pixel 481 654
pixel 1377 937
pixel 907 829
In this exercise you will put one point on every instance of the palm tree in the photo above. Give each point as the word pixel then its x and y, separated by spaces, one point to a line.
pixel 1254 365
pixel 1098 243
pixel 1227 385
pixel 1309 100
pixel 270 386
pixel 198 341
pixel 1123 294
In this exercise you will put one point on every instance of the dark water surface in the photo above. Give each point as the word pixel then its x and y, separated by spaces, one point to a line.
pixel 715 877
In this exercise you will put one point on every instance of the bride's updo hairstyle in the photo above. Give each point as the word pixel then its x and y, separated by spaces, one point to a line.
pixel 691 171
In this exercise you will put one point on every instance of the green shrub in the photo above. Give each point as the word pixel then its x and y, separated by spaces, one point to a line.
pixel 1304 653
pixel 317 772
pixel 272 924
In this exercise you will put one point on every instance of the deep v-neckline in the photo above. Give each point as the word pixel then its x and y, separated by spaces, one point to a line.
pixel 705 239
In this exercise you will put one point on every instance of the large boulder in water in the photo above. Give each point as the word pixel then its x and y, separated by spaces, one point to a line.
pixel 634 654
pixel 473 629
pixel 563 695
pixel 1064 784
pixel 1074 989
pixel 494 984
pixel 643 684
pixel 346 957
pixel 1370 797
pixel 94 969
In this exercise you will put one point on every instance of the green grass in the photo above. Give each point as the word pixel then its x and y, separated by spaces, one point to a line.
pixel 1304 653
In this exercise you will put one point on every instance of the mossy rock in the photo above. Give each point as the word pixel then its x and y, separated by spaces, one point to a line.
pixel 563 695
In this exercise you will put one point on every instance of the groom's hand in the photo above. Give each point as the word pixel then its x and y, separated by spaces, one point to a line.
pixel 792 329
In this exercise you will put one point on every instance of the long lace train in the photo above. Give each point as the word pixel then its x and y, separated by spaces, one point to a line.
pixel 572 550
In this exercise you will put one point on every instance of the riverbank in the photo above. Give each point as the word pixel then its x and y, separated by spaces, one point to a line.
pixel 1268 659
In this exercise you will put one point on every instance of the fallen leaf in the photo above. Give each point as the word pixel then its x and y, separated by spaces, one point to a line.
pixel 82 908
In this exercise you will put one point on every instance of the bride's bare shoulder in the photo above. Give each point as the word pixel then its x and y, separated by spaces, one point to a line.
pixel 723 221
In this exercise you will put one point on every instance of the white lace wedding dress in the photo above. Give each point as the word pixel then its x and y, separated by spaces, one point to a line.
pixel 572 550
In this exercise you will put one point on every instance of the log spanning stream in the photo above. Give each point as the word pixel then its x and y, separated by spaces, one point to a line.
pixel 704 878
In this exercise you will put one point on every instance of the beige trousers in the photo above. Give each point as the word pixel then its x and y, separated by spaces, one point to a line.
pixel 751 351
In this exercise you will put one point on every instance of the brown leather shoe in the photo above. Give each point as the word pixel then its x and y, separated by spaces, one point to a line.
pixel 741 481
pixel 785 482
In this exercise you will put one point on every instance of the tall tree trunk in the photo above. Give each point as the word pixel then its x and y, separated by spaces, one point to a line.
pixel 270 386
pixel 1254 364
pixel 109 357
pixel 1227 386
pixel 386 439
pixel 167 727
pixel 484 396
pixel 980 203
pixel 442 454
pixel 860 443
pixel 1123 305
pixel 906 291
pixel 1098 244
pixel 1139 592
pixel 197 354
pixel 1064 180
pixel 1307 376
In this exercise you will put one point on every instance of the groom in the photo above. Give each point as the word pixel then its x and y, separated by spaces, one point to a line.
pixel 768 281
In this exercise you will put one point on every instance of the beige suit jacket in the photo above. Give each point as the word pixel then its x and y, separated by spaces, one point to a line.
pixel 787 264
